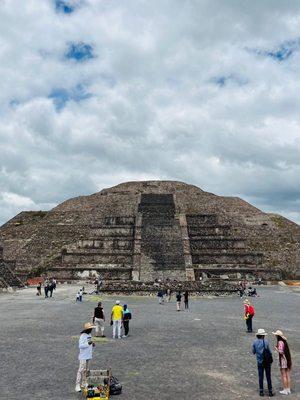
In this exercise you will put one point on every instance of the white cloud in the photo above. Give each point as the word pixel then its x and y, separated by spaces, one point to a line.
pixel 156 109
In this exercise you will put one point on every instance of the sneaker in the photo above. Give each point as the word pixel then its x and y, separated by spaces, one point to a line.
pixel 289 391
pixel 271 394
pixel 261 393
pixel 124 336
pixel 77 388
pixel 284 392
pixel 119 337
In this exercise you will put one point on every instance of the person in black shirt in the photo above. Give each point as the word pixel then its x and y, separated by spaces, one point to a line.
pixel 99 319
pixel 178 300
pixel 186 299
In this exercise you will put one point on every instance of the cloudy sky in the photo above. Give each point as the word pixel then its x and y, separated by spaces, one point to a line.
pixel 98 92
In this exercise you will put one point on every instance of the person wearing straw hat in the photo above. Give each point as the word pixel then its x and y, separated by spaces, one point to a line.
pixel 261 349
pixel 249 313
pixel 86 345
pixel 285 361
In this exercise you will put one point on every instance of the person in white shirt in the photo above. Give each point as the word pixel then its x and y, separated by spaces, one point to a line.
pixel 86 345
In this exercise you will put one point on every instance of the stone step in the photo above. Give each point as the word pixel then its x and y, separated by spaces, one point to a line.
pixel 90 266
pixel 227 258
pixel 228 267
pixel 202 219
pixel 97 258
pixel 222 230
pixel 216 244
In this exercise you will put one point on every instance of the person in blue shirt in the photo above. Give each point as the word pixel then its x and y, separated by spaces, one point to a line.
pixel 258 347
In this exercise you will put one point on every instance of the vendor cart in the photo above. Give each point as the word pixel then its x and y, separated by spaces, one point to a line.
pixel 96 383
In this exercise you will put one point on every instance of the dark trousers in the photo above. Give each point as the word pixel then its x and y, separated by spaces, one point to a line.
pixel 249 324
pixel 186 304
pixel 126 327
pixel 261 370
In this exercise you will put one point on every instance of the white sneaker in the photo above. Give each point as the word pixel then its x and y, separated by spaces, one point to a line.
pixel 284 392
pixel 289 391
pixel 119 337
pixel 77 388
pixel 124 336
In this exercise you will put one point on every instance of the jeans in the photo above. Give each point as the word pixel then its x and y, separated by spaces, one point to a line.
pixel 126 327
pixel 249 323
pixel 99 323
pixel 261 370
pixel 117 328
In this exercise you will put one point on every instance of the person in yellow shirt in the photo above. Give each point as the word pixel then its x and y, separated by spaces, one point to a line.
pixel 116 319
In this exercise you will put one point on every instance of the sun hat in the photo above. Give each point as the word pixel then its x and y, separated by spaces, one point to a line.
pixel 117 301
pixel 246 301
pixel 88 325
pixel 261 332
pixel 279 333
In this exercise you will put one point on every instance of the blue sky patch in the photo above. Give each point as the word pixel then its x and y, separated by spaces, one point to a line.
pixel 64 6
pixel 61 96
pixel 281 53
pixel 79 52
pixel 223 80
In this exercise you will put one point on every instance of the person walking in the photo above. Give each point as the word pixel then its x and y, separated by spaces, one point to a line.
pixel 116 319
pixel 39 289
pixel 99 319
pixel 249 313
pixel 51 288
pixel 261 349
pixel 126 319
pixel 285 361
pixel 169 295
pixel 186 300
pixel 178 301
pixel 46 288
pixel 85 345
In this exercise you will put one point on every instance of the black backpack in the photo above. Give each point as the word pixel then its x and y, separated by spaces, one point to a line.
pixel 266 356
pixel 115 386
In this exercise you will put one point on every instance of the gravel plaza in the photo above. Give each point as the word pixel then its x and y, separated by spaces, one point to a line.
pixel 203 353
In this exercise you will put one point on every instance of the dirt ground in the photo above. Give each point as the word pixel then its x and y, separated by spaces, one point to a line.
pixel 203 353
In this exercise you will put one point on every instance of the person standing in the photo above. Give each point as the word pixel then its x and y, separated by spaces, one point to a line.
pixel 85 345
pixel 285 361
pixel 261 349
pixel 186 299
pixel 178 300
pixel 160 295
pixel 249 313
pixel 126 319
pixel 169 294
pixel 116 319
pixel 99 319
pixel 51 288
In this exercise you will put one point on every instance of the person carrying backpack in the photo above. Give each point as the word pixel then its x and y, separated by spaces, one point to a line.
pixel 126 319
pixel 261 349
pixel 249 313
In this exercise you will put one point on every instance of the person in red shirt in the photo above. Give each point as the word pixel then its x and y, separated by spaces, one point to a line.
pixel 249 313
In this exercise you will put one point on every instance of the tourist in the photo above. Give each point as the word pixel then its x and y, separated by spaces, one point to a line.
pixel 86 345
pixel 79 295
pixel 126 319
pixel 169 294
pixel 39 289
pixel 285 361
pixel 51 288
pixel 54 283
pixel 249 313
pixel 116 319
pixel 160 295
pixel 264 359
pixel 46 287
pixel 178 301
pixel 186 299
pixel 99 319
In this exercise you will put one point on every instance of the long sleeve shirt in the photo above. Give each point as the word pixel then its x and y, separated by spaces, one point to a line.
pixel 85 349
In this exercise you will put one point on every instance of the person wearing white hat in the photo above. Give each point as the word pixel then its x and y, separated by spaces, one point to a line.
pixel 261 349
pixel 85 353
pixel 285 361
pixel 249 313
pixel 116 319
